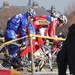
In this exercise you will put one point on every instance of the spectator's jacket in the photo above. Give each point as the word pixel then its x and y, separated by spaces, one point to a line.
pixel 72 30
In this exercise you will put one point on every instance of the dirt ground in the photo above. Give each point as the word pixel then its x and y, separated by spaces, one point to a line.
pixel 45 69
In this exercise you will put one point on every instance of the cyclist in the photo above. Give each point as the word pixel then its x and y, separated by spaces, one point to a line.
pixel 59 21
pixel 56 19
pixel 17 22
pixel 43 29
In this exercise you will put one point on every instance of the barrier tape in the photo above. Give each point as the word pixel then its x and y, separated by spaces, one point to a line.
pixel 42 22
pixel 2 38
pixel 34 36
pixel 6 43
pixel 49 37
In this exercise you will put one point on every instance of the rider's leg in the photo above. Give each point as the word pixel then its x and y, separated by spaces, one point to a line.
pixel 10 35
pixel 27 49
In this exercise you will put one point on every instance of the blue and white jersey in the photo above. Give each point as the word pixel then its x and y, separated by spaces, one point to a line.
pixel 49 18
pixel 17 22
pixel 31 28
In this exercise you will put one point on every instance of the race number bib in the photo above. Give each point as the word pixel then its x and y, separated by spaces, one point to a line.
pixel 42 22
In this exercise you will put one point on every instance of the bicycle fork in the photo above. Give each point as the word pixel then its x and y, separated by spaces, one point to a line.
pixel 50 60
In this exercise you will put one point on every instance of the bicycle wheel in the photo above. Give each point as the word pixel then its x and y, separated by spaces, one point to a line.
pixel 3 47
pixel 42 63
pixel 4 58
pixel 15 44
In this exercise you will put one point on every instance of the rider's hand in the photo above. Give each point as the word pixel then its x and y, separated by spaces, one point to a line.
pixel 23 44
pixel 55 42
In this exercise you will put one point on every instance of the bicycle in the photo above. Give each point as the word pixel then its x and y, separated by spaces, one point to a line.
pixel 50 58
pixel 39 60
pixel 6 60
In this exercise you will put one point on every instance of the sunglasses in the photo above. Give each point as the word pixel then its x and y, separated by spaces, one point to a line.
pixel 31 17
pixel 60 20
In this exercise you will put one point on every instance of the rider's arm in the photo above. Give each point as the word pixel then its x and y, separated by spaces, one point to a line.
pixel 31 28
pixel 51 29
pixel 22 28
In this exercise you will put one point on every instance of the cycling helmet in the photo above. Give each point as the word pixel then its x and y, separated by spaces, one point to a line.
pixel 62 19
pixel 52 7
pixel 31 12
pixel 54 13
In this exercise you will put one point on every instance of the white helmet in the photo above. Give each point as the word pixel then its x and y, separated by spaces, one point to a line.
pixel 31 12
pixel 54 13
pixel 63 19
pixel 52 7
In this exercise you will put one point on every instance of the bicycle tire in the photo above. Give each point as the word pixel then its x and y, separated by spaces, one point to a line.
pixel 5 64
pixel 41 64
pixel 18 45
pixel 2 47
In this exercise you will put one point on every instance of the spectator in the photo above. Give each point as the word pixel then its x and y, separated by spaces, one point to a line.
pixel 61 35
pixel 66 56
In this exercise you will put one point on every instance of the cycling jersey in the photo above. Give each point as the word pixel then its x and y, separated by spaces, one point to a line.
pixel 34 25
pixel 52 26
pixel 18 22
pixel 51 22
pixel 31 28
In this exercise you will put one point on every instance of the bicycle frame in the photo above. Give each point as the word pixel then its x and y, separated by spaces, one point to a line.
pixel 45 52
pixel 50 52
